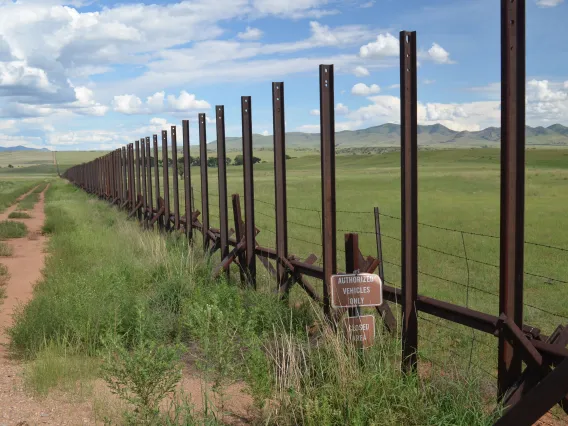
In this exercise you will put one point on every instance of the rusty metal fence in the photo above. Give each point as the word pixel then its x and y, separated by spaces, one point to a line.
pixel 130 178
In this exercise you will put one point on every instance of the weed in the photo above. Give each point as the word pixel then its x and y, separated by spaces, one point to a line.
pixel 6 250
pixel 19 215
pixel 57 367
pixel 142 377
pixel 12 229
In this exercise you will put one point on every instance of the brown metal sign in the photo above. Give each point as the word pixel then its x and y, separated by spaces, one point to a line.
pixel 353 290
pixel 360 330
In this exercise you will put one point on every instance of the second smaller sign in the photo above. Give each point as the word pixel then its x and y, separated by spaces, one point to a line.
pixel 360 330
pixel 353 290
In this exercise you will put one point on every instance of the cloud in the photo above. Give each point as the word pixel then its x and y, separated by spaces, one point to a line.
pixel 132 104
pixel 265 133
pixel 439 55
pixel 341 109
pixel 250 34
pixel 361 89
pixel 394 86
pixel 426 81
pixel 548 3
pixel 385 45
pixel 367 5
pixel 127 104
pixel 360 71
pixel 292 8
pixel 315 112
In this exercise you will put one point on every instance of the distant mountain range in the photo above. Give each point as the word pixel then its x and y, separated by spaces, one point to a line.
pixel 388 135
pixel 21 148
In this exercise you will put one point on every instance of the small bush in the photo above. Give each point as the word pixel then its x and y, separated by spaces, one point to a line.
pixel 19 215
pixel 142 377
pixel 11 229
pixel 5 249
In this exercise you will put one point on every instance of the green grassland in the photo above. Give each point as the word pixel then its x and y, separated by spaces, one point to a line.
pixel 458 189
pixel 135 300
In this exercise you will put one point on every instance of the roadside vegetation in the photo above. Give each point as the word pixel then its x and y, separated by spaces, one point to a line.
pixel 10 190
pixel 136 308
pixel 19 215
pixel 6 250
pixel 12 229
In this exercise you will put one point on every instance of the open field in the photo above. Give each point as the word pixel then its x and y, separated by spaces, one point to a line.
pixel 459 190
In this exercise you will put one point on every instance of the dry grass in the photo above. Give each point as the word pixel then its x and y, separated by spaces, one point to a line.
pixel 6 250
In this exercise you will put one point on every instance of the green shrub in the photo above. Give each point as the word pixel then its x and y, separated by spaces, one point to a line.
pixel 142 377
pixel 19 215
pixel 6 250
pixel 12 229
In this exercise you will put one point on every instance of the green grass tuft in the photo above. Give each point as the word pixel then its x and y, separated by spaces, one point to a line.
pixel 12 229
pixel 6 250
pixel 29 202
pixel 19 215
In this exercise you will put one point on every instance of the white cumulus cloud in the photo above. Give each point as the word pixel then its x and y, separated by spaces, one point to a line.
pixel 250 34
pixel 385 45
pixel 439 55
pixel 361 89
pixel 315 112
pixel 548 3
pixel 158 102
pixel 341 109
pixel 360 71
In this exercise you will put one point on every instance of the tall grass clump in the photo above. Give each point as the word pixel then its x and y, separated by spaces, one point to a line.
pixel 103 276
pixel 29 201
pixel 19 215
pixel 6 250
pixel 10 192
pixel 12 229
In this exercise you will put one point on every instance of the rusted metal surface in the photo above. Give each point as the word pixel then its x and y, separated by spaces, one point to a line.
pixel 175 177
pixel 187 181
pixel 204 180
pixel 124 175
pixel 539 399
pixel 279 133
pixel 150 201
pixel 239 235
pixel 157 180
pixel 409 197
pixel 144 181
pixel 328 201
pixel 352 262
pixel 166 179
pixel 138 183
pixel 250 230
pixel 512 182
pixel 131 176
pixel 222 173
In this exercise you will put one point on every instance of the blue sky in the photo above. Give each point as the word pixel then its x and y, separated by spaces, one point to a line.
pixel 98 74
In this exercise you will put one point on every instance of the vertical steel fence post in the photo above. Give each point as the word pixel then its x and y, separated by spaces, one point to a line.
pixel 250 231
pixel 409 198
pixel 204 180
pixel 222 173
pixel 165 170
pixel 150 201
pixel 175 177
pixel 279 133
pixel 512 183
pixel 187 182
pixel 328 200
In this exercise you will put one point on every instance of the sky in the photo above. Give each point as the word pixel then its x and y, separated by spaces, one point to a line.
pixel 96 74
